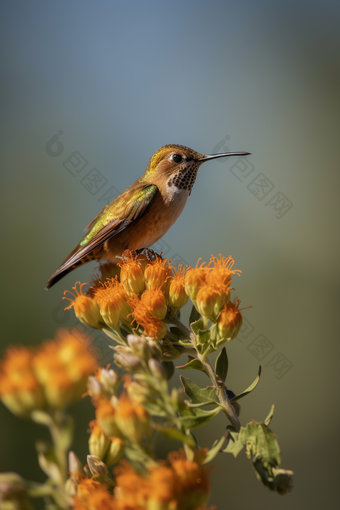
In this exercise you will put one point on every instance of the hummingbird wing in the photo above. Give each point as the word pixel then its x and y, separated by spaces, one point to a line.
pixel 131 205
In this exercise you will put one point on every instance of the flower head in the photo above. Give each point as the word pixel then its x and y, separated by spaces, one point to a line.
pixel 155 302
pixel 98 442
pixel 131 275
pixel 132 419
pixel 157 273
pixel 85 308
pixel 112 301
pixel 62 367
pixel 20 390
pixel 152 325
pixel 195 279
pixel 221 270
pixel 229 321
pixel 177 295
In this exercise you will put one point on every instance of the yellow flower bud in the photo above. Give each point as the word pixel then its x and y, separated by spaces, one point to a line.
pixel 132 420
pixel 157 273
pixel 106 417
pixel 177 296
pixel 115 451
pixel 98 442
pixel 155 302
pixel 195 279
pixel 229 321
pixel 131 276
pixel 85 308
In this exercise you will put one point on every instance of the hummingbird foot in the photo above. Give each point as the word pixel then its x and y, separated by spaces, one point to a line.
pixel 149 253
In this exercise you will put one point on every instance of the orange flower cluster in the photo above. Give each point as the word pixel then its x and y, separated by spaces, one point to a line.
pixel 144 291
pixel 53 375
pixel 209 285
pixel 179 484
pixel 139 294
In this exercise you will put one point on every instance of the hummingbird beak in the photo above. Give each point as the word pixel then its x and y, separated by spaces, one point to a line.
pixel 222 155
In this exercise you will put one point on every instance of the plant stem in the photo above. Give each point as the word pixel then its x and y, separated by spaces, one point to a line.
pixel 220 391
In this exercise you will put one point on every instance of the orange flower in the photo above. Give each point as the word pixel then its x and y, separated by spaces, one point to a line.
pixel 92 495
pixel 155 302
pixel 211 298
pixel 221 270
pixel 132 419
pixel 181 485
pixel 98 442
pixel 106 417
pixel 109 302
pixel 177 295
pixel 62 367
pixel 20 390
pixel 157 273
pixel 153 326
pixel 195 279
pixel 85 308
pixel 131 275
pixel 229 321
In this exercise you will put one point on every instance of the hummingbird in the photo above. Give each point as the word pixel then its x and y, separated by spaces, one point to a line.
pixel 144 212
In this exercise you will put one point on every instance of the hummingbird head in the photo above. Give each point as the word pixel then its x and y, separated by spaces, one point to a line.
pixel 176 166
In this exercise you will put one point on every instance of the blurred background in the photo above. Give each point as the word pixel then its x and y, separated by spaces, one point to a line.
pixel 100 86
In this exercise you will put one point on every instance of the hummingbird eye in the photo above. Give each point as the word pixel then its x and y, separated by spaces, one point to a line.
pixel 177 158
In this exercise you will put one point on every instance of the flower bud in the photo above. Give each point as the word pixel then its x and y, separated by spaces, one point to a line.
pixel 74 464
pixel 157 369
pixel 105 414
pixel 132 420
pixel 109 379
pixel 94 387
pixel 97 467
pixel 110 311
pixel 115 451
pixel 177 296
pixel 85 308
pixel 155 302
pixel 207 299
pixel 156 274
pixel 98 442
pixel 229 321
pixel 124 359
pixel 195 279
pixel 132 277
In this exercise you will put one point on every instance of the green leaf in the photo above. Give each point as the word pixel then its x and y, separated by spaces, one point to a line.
pixel 193 418
pixel 203 338
pixel 249 389
pixel 193 363
pixel 215 450
pixel 221 364
pixel 175 434
pixel 270 416
pixel 194 315
pixel 234 445
pixel 169 369
pixel 197 326
pixel 199 396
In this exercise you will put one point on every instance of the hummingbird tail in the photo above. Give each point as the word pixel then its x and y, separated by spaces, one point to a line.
pixel 63 271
